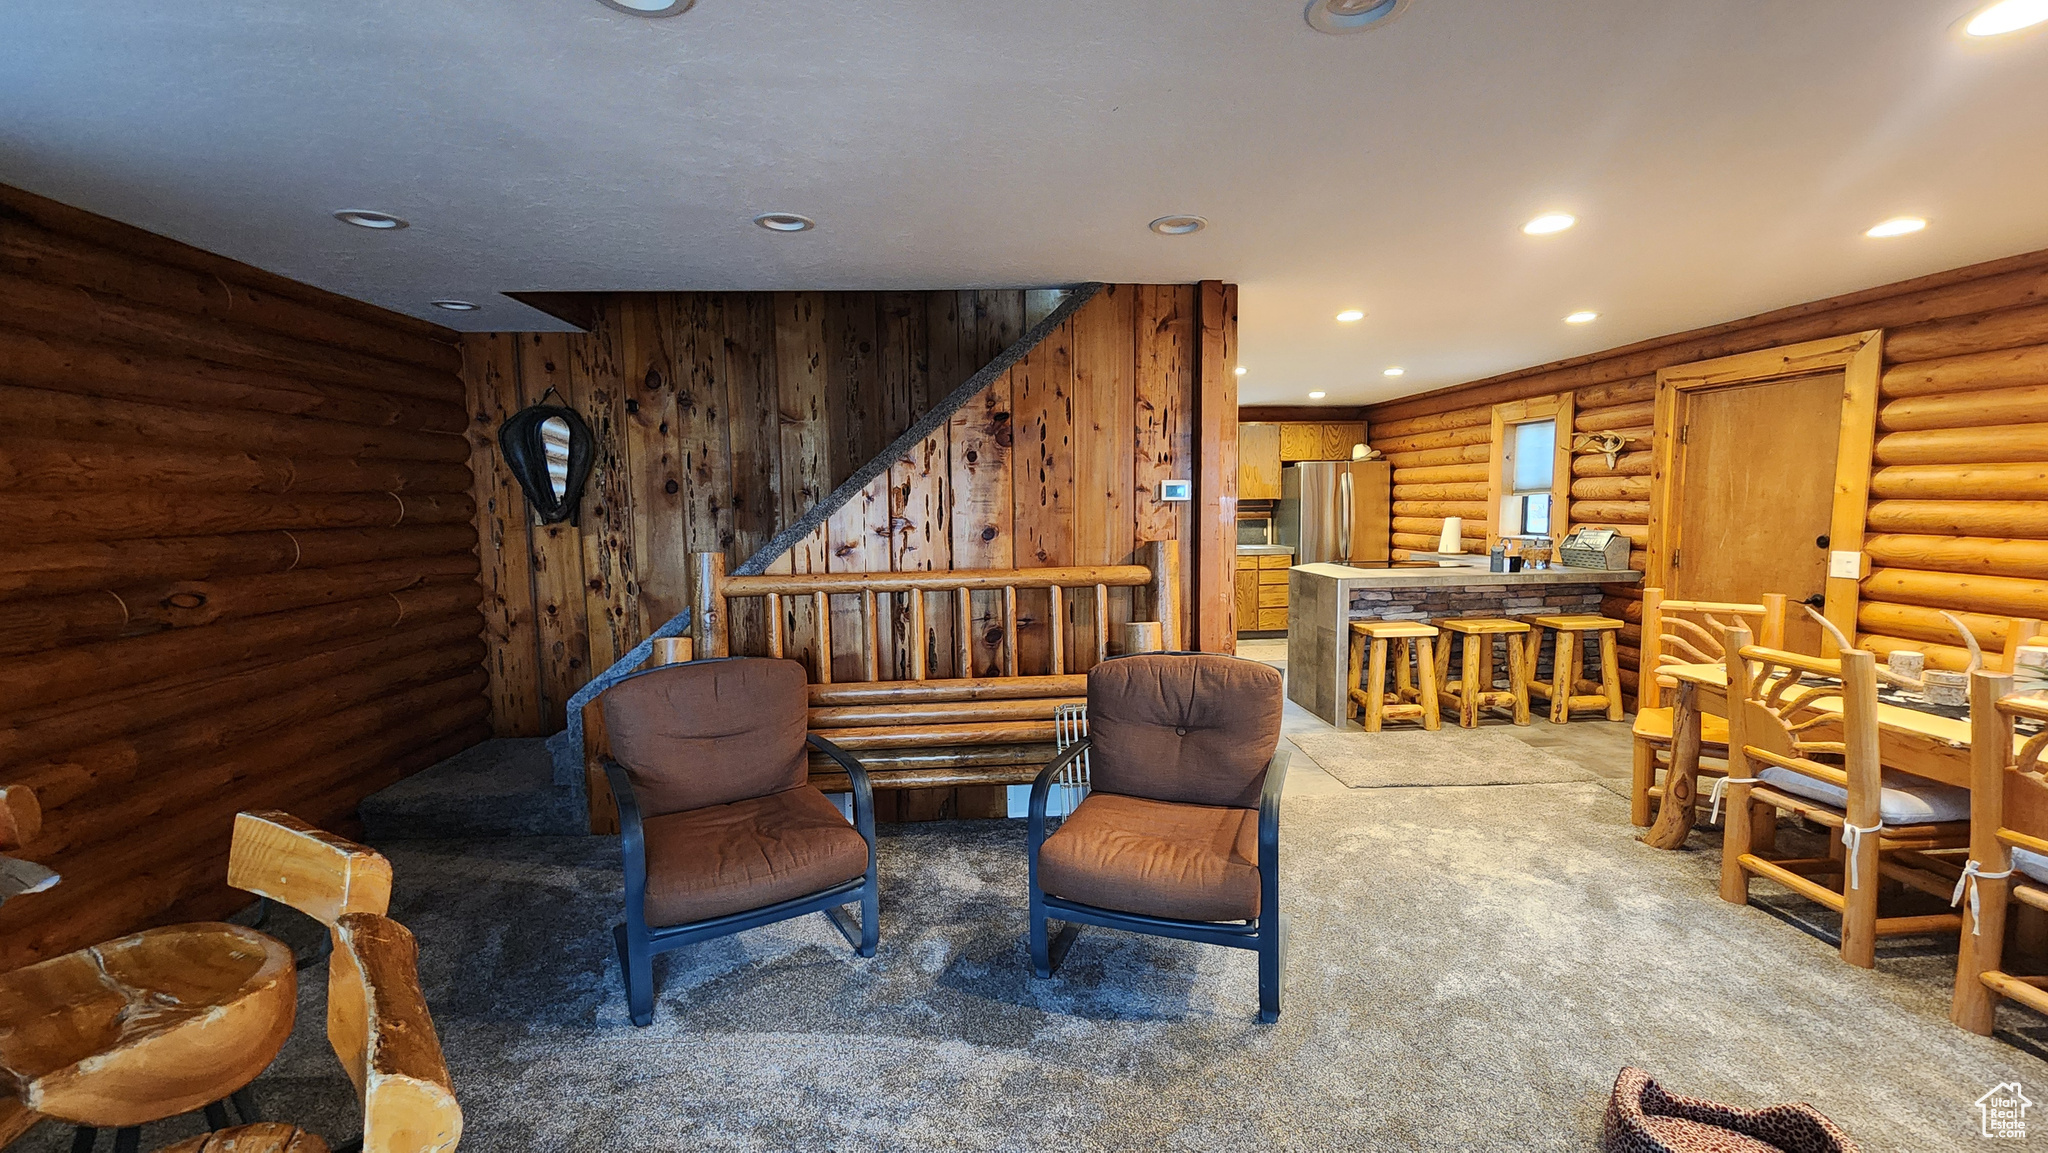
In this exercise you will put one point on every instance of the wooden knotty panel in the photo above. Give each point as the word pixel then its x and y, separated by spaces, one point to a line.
pixel 263 587
pixel 734 402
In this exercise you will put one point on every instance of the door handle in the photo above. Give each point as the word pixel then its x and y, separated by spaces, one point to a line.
pixel 1817 600
pixel 1821 541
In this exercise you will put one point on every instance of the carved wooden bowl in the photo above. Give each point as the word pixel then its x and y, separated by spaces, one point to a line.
pixel 146 1027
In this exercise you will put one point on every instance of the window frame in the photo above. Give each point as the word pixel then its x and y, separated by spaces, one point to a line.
pixel 1499 485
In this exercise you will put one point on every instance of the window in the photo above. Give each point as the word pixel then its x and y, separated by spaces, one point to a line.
pixel 1528 464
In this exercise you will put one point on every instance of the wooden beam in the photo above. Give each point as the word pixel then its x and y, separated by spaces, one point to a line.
pixel 1214 611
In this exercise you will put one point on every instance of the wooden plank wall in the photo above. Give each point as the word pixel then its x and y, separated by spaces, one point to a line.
pixel 1958 514
pixel 241 571
pixel 727 415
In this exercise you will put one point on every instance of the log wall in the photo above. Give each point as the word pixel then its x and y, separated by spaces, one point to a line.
pixel 243 570
pixel 1958 514
pixel 721 417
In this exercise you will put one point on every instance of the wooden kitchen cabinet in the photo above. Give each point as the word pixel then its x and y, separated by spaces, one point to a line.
pixel 1247 597
pixel 1302 442
pixel 1338 439
pixel 1258 461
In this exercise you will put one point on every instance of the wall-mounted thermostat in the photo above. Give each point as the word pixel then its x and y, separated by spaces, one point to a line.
pixel 1176 490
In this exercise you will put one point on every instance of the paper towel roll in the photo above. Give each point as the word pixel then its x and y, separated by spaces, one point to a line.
pixel 1453 540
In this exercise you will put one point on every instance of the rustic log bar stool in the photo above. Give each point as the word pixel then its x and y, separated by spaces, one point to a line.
pixel 1568 690
pixel 1412 640
pixel 1474 690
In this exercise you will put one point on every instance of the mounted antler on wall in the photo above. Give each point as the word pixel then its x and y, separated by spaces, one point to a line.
pixel 549 449
pixel 1608 443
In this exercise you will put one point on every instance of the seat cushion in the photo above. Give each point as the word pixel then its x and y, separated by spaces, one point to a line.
pixel 1906 799
pixel 1197 728
pixel 2032 864
pixel 1157 858
pixel 709 862
pixel 1681 1135
pixel 1655 725
pixel 709 732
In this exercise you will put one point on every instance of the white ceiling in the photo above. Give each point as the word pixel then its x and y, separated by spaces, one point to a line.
pixel 1724 156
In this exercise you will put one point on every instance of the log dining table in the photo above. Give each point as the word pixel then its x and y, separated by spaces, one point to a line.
pixel 1918 740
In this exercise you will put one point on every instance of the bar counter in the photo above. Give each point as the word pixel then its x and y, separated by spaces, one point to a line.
pixel 1323 599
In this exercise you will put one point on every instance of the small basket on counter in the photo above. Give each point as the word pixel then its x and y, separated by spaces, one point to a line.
pixel 1595 548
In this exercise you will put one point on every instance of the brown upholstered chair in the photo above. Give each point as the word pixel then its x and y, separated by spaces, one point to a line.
pixel 1180 833
pixel 719 824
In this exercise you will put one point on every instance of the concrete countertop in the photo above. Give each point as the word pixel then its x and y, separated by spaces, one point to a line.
pixel 1451 573
pixel 1264 550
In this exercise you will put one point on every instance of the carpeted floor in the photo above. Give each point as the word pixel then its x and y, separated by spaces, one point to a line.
pixel 1470 968
pixel 1412 757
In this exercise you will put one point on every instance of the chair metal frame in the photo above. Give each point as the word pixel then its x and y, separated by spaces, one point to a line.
pixel 1265 934
pixel 638 943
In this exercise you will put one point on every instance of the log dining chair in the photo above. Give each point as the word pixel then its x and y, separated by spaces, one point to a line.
pixel 380 1030
pixel 2008 849
pixel 1179 835
pixel 1680 632
pixel 1887 820
pixel 224 996
pixel 719 826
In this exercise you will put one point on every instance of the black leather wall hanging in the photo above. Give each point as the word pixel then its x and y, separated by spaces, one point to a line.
pixel 549 448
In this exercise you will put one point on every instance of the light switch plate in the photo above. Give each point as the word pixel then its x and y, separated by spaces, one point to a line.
pixel 1176 490
pixel 1846 565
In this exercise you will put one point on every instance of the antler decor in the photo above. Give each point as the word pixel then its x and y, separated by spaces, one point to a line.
pixel 1608 443
pixel 1910 684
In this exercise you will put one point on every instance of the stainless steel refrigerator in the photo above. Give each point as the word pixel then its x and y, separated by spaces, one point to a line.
pixel 1337 511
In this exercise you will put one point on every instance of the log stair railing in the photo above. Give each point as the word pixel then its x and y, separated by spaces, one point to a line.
pixel 568 748
pixel 918 731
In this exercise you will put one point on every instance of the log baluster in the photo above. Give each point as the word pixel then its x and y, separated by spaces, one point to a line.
pixel 963 633
pixel 1009 630
pixel 1058 620
pixel 1101 623
pixel 775 625
pixel 919 669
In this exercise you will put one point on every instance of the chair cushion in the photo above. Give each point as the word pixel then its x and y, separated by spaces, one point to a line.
pixel 1655 725
pixel 1197 728
pixel 1157 858
pixel 708 862
pixel 1683 1136
pixel 2032 864
pixel 1905 800
pixel 709 732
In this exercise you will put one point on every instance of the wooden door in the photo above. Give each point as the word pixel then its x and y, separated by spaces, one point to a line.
pixel 1258 462
pixel 1755 482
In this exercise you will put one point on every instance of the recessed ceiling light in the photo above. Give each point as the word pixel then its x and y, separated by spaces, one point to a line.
pixel 1178 225
pixel 1350 316
pixel 364 218
pixel 2007 16
pixel 1583 316
pixel 1896 226
pixel 785 222
pixel 1317 395
pixel 454 305
pixel 1239 370
pixel 1550 222
pixel 650 7
pixel 1394 371
pixel 1338 17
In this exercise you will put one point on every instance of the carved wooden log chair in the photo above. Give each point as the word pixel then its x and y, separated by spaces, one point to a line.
pixel 1180 833
pixel 1814 750
pixel 232 993
pixel 1678 632
pixel 2008 849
